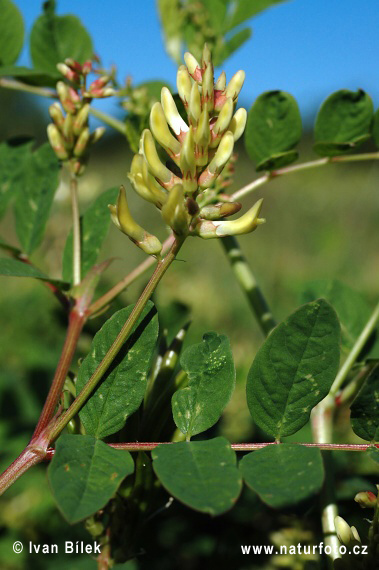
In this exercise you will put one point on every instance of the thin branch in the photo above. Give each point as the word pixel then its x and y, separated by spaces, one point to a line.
pixel 76 231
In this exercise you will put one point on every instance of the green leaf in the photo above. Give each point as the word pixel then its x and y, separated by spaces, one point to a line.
pixel 294 369
pixel 12 163
pixel 284 474
pixel 373 454
pixel 273 129
pixel 30 76
pixel 54 38
pixel 343 122
pixel 94 228
pixel 84 474
pixel 15 268
pixel 122 389
pixel 365 409
pixel 38 183
pixel 11 32
pixel 243 10
pixel 352 309
pixel 211 378
pixel 201 474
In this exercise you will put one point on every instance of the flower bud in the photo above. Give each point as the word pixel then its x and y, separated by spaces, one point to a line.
pixel 245 224
pixel 174 212
pixel 156 167
pixel 82 143
pixel 193 66
pixel 87 67
pixel 194 107
pixel 68 73
pixel 81 119
pixel 123 219
pixel 221 82
pixel 238 123
pixel 343 531
pixel 144 184
pixel 218 162
pixel 67 129
pixel 220 210
pixel 97 134
pixel 188 163
pixel 223 122
pixel 207 92
pixel 161 132
pixel 171 112
pixel 235 85
pixel 207 56
pixel 56 114
pixel 64 97
pixel 366 499
pixel 183 82
pixel 57 142
pixel 202 138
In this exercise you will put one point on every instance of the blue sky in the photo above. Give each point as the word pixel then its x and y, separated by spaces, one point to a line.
pixel 306 47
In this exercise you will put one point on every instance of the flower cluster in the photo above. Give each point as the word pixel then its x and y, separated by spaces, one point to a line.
pixel 198 149
pixel 69 134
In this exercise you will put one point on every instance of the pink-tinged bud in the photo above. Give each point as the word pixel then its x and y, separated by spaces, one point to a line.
pixel 99 83
pixel 238 123
pixel 235 85
pixel 221 82
pixel 64 97
pixel 223 153
pixel 57 142
pixel 171 112
pixel 75 65
pixel 194 107
pixel 193 66
pixel 68 73
pixel 161 132
pixel 366 499
pixel 97 134
pixel 184 85
pixel 81 145
pixel 78 167
pixel 81 119
pixel 219 100
pixel 56 114
pixel 87 67
pixel 207 98
pixel 74 95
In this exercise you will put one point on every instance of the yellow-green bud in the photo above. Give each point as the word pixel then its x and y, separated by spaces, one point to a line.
pixel 202 138
pixel 221 82
pixel 56 114
pixel 207 56
pixel 81 145
pixel 64 97
pixel 67 129
pixel 123 219
pixel 188 163
pixel 184 84
pixel 57 142
pixel 144 184
pixel 81 119
pixel 97 134
pixel 194 108
pixel 171 112
pixel 238 123
pixel 156 167
pixel 207 92
pixel 235 85
pixel 218 162
pixel 193 66
pixel 223 122
pixel 220 210
pixel 245 224
pixel 343 531
pixel 174 212
pixel 161 132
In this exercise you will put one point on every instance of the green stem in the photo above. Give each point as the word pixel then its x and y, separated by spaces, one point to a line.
pixel 298 167
pixel 355 351
pixel 58 425
pixel 248 283
pixel 110 295
pixel 76 242
pixel 109 120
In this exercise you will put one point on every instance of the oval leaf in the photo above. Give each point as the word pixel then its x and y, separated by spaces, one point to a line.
pixel 284 474
pixel 37 186
pixel 294 369
pixel 352 309
pixel 343 122
pixel 210 369
pixel 94 226
pixel 12 163
pixel 54 38
pixel 122 389
pixel 273 129
pixel 11 32
pixel 201 474
pixel 365 409
pixel 84 474
pixel 15 268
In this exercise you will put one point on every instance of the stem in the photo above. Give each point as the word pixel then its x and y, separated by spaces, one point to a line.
pixel 75 326
pixel 76 241
pixel 297 167
pixel 247 281
pixel 110 295
pixel 355 351
pixel 109 120
pixel 160 270
pixel 28 458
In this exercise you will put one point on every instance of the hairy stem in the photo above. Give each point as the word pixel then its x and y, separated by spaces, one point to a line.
pixel 248 283
pixel 76 241
pixel 160 270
